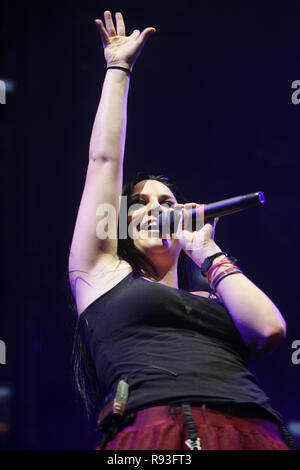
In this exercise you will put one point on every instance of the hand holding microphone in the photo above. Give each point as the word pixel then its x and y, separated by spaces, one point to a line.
pixel 195 234
pixel 195 237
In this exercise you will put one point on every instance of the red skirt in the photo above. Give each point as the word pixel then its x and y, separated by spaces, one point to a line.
pixel 156 429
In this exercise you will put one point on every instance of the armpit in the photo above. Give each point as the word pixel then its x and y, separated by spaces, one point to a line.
pixel 74 277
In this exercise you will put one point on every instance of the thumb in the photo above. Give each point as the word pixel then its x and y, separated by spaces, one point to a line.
pixel 213 222
pixel 135 34
pixel 145 34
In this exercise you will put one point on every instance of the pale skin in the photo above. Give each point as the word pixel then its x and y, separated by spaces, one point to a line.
pixel 94 265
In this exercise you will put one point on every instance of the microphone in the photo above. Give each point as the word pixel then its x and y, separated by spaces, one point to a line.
pixel 168 221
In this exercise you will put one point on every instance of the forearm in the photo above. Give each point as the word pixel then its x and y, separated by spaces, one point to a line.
pixel 254 314
pixel 256 317
pixel 109 129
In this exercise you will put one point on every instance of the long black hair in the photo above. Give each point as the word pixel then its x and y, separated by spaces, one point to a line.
pixel 85 376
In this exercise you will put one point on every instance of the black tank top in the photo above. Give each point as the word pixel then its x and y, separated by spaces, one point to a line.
pixel 170 346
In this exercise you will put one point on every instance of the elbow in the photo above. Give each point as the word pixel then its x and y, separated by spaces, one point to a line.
pixel 271 339
pixel 274 333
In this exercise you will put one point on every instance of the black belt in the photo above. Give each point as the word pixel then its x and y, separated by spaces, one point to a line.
pixel 242 410
pixel 109 424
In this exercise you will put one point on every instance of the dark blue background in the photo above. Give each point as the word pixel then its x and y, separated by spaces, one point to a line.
pixel 209 105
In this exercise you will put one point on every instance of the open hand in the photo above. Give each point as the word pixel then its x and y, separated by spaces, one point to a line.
pixel 119 49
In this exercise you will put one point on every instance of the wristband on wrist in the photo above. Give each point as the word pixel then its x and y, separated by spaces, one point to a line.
pixel 120 68
pixel 213 292
pixel 213 277
pixel 236 271
pixel 212 270
pixel 219 277
pixel 207 263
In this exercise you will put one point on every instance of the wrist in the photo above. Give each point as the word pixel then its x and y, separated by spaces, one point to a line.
pixel 124 65
pixel 210 248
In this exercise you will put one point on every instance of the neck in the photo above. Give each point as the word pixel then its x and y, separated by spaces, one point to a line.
pixel 166 268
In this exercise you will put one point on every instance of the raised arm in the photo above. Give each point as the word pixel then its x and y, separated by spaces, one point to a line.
pixel 104 175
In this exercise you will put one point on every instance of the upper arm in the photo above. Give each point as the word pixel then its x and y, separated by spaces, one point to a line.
pixel 98 213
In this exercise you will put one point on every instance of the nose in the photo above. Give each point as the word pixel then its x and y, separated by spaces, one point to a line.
pixel 155 208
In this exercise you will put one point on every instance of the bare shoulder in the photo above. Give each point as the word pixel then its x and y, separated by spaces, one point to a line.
pixel 87 286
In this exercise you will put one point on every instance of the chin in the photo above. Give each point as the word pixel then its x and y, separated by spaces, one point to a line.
pixel 154 244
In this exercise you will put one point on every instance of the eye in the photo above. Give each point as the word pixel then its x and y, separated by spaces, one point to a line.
pixel 140 201
pixel 169 203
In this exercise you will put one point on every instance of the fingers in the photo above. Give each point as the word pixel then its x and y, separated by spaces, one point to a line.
pixel 110 29
pixel 184 213
pixel 135 34
pixel 103 32
pixel 120 24
pixel 192 215
pixel 177 206
pixel 109 24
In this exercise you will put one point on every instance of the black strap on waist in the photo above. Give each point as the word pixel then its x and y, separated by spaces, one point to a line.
pixel 193 442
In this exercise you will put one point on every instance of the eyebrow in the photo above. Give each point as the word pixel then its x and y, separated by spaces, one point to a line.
pixel 165 196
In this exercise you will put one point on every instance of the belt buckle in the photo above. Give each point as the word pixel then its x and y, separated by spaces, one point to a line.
pixel 193 441
pixel 193 444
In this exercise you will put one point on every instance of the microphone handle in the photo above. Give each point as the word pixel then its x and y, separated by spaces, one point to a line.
pixel 171 219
